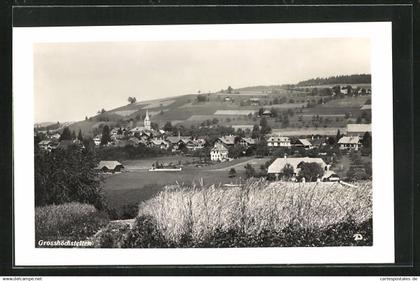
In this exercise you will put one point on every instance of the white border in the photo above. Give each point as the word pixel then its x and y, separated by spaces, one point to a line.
pixel 382 250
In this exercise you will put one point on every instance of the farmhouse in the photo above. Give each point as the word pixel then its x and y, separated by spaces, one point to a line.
pixel 349 142
pixel 45 145
pixel 267 113
pixel 219 152
pixel 159 143
pixel 278 141
pixel 303 143
pixel 276 168
pixel 247 142
pixel 254 101
pixel 227 140
pixel 243 127
pixel 110 166
pixel 358 129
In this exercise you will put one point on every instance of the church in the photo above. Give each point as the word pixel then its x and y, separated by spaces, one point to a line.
pixel 147 126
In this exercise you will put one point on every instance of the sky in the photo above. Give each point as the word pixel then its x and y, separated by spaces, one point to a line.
pixel 74 80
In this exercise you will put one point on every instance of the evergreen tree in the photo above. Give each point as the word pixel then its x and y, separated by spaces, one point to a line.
pixel 106 136
pixel 79 135
pixel 66 134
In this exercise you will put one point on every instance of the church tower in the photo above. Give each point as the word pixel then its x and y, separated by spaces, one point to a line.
pixel 147 121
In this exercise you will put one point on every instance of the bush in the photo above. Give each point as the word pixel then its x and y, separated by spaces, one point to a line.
pixel 144 234
pixel 72 221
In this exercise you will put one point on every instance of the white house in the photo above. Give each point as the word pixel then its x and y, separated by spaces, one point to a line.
pixel 276 168
pixel 349 142
pixel 97 139
pixel 277 141
pixel 358 129
pixel 219 152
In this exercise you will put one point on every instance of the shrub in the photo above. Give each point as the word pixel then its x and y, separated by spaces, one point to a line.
pixel 144 234
pixel 73 221
pixel 110 236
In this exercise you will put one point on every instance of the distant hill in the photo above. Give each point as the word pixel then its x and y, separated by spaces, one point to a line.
pixel 233 107
pixel 341 79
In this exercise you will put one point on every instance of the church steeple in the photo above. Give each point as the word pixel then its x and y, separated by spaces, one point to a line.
pixel 147 121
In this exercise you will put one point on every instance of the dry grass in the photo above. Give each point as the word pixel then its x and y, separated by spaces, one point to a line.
pixel 70 220
pixel 257 206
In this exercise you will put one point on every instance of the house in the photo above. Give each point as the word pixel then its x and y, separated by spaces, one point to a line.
pixel 227 140
pixel 276 168
pixel 267 113
pixel 330 176
pixel 366 107
pixel 278 141
pixel 159 143
pixel 195 144
pixel 55 136
pixel 349 142
pixel 243 127
pixel 219 152
pixel 97 139
pixel 254 101
pixel 358 129
pixel 110 166
pixel 318 142
pixel 65 144
pixel 45 145
pixel 345 90
pixel 302 143
pixel 247 142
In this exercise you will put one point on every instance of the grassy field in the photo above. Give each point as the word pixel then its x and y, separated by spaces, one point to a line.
pixel 137 184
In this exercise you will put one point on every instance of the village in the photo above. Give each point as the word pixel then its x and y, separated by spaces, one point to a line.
pixel 287 153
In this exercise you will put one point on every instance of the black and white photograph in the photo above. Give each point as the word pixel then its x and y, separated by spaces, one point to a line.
pixel 173 141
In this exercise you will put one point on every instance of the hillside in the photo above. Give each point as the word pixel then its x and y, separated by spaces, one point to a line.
pixel 294 107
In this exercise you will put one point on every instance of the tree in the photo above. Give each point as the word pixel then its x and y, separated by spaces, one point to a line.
pixel 79 135
pixel 132 100
pixel 168 126
pixel 68 175
pixel 310 171
pixel 287 172
pixel 249 171
pixel 232 173
pixel 265 129
pixel 367 140
pixel 73 135
pixel 66 134
pixel 261 148
pixel 229 90
pixel 235 151
pixel 154 126
pixel 255 132
pixel 103 111
pixel 338 136
pixel 106 136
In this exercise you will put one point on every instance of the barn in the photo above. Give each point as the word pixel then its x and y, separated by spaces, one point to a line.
pixel 110 166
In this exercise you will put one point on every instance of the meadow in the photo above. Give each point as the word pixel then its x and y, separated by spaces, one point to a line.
pixel 137 184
